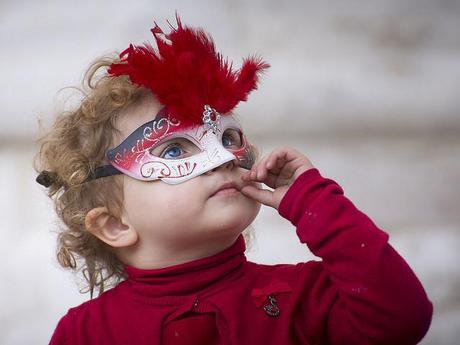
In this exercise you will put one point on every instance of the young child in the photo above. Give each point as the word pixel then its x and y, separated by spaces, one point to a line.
pixel 155 181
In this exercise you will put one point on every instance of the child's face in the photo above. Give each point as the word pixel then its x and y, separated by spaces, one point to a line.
pixel 188 213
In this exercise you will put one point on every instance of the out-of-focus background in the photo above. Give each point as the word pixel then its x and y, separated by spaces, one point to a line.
pixel 368 90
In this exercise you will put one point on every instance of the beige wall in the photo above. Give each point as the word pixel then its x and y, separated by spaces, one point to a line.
pixel 368 91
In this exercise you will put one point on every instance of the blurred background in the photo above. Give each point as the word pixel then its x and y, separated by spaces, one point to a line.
pixel 368 90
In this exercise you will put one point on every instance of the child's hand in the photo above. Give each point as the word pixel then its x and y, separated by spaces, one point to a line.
pixel 278 171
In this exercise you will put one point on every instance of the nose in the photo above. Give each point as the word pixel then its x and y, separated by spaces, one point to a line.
pixel 227 165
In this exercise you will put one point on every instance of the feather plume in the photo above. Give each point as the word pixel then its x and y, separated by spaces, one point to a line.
pixel 185 72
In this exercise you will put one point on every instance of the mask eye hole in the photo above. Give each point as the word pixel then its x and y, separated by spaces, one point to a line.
pixel 175 148
pixel 232 139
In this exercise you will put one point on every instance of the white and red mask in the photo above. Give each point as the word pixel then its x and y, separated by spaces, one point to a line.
pixel 166 149
pixel 199 90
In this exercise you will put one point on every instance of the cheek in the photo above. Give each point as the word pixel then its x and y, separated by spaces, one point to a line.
pixel 140 201
pixel 180 205
pixel 252 209
pixel 157 202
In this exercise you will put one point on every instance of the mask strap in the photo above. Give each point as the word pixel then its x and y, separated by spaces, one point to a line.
pixel 104 171
pixel 47 178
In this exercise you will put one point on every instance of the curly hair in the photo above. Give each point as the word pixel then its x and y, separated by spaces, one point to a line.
pixel 70 151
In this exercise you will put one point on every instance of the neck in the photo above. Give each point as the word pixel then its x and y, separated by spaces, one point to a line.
pixel 188 279
pixel 155 256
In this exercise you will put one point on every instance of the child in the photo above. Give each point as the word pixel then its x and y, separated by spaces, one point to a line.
pixel 155 182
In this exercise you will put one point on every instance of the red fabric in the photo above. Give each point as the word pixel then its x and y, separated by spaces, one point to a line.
pixel 275 287
pixel 362 292
pixel 191 329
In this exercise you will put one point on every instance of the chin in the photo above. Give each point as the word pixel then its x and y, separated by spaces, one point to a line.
pixel 235 220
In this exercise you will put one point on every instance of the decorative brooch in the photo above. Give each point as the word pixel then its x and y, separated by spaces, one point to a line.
pixel 266 296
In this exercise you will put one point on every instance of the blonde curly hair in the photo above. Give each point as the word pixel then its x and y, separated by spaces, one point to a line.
pixel 69 152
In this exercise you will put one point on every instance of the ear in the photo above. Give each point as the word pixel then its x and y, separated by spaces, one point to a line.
pixel 109 229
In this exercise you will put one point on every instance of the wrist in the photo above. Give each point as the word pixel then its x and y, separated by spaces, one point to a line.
pixel 284 207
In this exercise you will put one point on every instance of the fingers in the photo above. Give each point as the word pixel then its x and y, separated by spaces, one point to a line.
pixel 263 196
pixel 270 165
pixel 279 168
pixel 276 161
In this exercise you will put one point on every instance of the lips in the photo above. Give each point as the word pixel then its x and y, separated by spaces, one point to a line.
pixel 226 186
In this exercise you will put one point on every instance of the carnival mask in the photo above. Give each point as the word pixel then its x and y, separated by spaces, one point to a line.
pixel 163 149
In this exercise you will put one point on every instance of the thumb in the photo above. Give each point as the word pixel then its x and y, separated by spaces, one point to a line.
pixel 261 195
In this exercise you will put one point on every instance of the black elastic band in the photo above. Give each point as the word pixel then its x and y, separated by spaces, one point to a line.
pixel 46 178
pixel 103 171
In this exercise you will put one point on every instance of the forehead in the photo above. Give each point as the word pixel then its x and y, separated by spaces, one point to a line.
pixel 134 116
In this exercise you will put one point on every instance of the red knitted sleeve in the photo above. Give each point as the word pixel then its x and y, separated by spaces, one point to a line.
pixel 370 294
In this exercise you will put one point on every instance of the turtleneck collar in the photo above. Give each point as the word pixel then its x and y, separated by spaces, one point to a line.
pixel 191 277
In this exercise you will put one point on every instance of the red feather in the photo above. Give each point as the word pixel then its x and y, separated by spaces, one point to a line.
pixel 185 72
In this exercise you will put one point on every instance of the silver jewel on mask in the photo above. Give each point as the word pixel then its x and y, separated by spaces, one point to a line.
pixel 211 119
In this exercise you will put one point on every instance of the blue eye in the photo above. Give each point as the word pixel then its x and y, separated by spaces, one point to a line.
pixel 226 141
pixel 232 137
pixel 172 151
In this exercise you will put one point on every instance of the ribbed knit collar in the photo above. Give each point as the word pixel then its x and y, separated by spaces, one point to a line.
pixel 191 277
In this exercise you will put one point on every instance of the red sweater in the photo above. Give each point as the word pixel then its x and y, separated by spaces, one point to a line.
pixel 361 292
